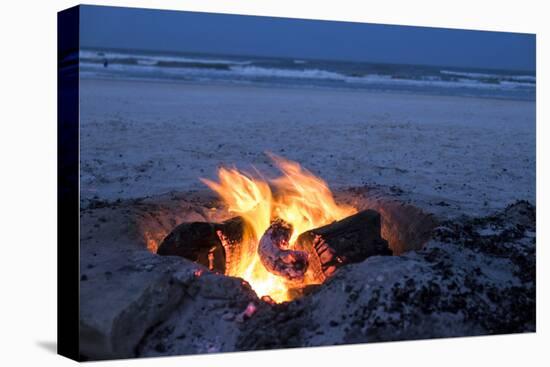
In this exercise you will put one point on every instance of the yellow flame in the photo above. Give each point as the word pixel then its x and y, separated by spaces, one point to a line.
pixel 304 200
pixel 300 198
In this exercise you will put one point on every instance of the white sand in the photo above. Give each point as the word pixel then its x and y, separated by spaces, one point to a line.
pixel 141 138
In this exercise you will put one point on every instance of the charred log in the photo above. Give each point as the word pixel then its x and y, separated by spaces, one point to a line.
pixel 316 255
pixel 204 243
pixel 276 256
pixel 350 240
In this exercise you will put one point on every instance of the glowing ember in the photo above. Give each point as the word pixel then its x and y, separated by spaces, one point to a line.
pixel 198 272
pixel 299 198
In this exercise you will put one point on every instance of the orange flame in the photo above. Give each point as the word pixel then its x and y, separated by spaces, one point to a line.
pixel 300 198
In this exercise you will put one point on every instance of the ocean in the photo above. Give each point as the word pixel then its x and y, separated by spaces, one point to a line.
pixel 269 71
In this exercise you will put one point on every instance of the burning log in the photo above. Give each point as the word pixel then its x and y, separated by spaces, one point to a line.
pixel 350 240
pixel 316 254
pixel 276 256
pixel 209 244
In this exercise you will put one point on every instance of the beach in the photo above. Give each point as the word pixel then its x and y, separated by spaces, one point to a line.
pixel 447 154
pixel 445 173
pixel 245 193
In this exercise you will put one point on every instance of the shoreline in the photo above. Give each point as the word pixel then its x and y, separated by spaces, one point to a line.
pixel 303 87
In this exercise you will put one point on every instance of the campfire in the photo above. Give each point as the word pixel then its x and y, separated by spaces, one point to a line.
pixel 287 233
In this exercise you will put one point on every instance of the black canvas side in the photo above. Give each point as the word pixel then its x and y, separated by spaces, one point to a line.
pixel 68 241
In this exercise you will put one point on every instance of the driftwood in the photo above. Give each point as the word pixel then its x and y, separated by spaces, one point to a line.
pixel 276 256
pixel 350 240
pixel 205 243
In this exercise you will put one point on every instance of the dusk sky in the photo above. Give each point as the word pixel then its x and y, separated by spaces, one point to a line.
pixel 158 30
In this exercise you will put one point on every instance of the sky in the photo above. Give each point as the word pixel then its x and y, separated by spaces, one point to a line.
pixel 160 30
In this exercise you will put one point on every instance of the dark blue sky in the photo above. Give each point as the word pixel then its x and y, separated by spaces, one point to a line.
pixel 159 30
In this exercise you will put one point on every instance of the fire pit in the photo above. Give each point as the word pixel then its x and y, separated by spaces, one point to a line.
pixel 458 272
pixel 289 232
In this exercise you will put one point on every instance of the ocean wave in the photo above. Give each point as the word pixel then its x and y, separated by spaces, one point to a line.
pixel 145 59
pixel 257 71
pixel 473 75
pixel 200 71
pixel 137 65
pixel 426 81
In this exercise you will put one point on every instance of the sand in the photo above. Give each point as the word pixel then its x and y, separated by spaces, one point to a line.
pixel 475 276
pixel 460 155
pixel 448 155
